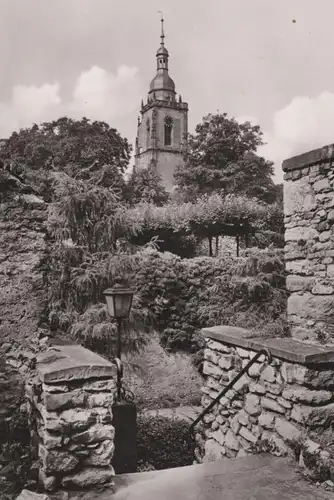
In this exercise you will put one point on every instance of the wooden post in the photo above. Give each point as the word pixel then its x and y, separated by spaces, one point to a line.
pixel 210 246
pixel 217 246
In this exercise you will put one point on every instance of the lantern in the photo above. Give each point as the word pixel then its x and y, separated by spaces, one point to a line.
pixel 119 301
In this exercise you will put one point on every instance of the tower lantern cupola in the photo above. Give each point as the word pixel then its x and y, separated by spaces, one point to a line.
pixel 162 84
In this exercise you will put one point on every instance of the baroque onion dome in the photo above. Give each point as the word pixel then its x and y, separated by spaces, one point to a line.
pixel 162 86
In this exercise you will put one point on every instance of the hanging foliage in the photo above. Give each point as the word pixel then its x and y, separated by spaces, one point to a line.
pixel 208 217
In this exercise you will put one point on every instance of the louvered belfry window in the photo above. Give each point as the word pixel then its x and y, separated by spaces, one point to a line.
pixel 168 130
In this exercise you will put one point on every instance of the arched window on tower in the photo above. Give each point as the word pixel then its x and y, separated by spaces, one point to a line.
pixel 148 131
pixel 168 130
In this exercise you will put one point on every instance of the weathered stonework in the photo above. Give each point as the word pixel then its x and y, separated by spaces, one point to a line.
pixel 309 243
pixel 22 250
pixel 279 403
pixel 69 403
pixel 22 295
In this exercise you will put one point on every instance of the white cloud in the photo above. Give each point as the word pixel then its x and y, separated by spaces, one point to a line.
pixel 106 96
pixel 29 104
pixel 97 94
pixel 306 121
pixel 305 124
pixel 243 119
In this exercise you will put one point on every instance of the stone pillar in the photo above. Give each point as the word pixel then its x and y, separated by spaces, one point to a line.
pixel 309 243
pixel 70 413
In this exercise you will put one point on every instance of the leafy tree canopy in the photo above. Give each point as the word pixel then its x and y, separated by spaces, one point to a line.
pixel 221 156
pixel 145 185
pixel 82 149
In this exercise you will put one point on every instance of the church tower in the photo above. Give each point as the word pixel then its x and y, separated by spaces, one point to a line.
pixel 163 124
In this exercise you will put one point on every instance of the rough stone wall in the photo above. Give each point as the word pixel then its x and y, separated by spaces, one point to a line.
pixel 22 250
pixel 11 395
pixel 22 295
pixel 70 418
pixel 269 409
pixel 309 244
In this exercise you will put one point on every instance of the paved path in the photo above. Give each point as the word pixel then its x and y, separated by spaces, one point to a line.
pixel 250 478
pixel 185 412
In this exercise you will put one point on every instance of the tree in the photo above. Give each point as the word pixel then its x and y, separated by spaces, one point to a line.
pixel 221 156
pixel 251 176
pixel 89 216
pixel 145 185
pixel 84 226
pixel 84 150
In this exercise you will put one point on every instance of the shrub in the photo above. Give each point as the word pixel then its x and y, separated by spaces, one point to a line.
pixel 251 294
pixel 185 295
pixel 176 297
pixel 174 289
pixel 164 442
pixel 160 379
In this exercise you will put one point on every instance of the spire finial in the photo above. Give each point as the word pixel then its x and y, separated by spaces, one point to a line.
pixel 162 36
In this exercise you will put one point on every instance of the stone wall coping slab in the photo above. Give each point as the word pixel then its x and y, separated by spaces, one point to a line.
pixel 320 155
pixel 68 363
pixel 287 349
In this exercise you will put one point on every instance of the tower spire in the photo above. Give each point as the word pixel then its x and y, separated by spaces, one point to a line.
pixel 162 36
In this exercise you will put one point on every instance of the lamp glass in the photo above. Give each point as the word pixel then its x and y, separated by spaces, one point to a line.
pixel 110 305
pixel 119 302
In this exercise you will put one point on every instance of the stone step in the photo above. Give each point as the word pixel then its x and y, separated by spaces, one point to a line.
pixel 256 477
pixel 189 413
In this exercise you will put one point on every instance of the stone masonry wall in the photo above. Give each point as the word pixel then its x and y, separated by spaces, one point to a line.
pixel 22 250
pixel 270 408
pixel 309 243
pixel 22 294
pixel 70 417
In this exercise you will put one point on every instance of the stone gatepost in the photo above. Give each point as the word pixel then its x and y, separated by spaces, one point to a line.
pixel 70 409
pixel 281 404
pixel 309 243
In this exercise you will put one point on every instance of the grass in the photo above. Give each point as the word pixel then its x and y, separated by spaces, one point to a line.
pixel 159 379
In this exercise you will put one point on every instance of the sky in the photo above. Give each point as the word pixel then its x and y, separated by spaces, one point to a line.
pixel 267 61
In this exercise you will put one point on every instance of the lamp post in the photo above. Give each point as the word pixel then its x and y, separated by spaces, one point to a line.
pixel 119 302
